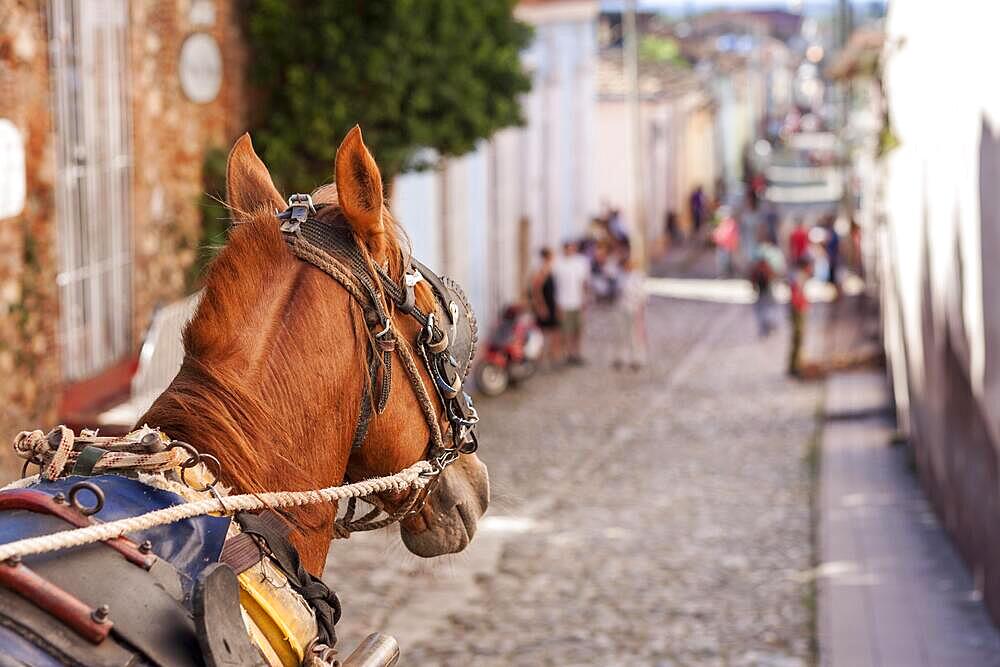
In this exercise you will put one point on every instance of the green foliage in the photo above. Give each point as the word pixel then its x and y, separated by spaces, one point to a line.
pixel 214 214
pixel 414 73
pixel 661 49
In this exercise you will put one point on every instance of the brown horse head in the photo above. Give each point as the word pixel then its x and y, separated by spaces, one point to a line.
pixel 275 365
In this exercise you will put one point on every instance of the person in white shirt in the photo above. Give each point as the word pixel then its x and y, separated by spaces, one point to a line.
pixel 571 274
pixel 631 316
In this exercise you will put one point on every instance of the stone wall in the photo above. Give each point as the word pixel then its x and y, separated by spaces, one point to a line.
pixel 29 363
pixel 170 137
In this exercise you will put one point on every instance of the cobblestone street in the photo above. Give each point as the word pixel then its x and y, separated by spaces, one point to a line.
pixel 652 518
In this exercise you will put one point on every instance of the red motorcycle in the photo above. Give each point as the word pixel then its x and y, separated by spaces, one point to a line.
pixel 512 352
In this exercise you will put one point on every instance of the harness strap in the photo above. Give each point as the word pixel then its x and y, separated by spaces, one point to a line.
pixel 322 260
pixel 365 412
pixel 87 459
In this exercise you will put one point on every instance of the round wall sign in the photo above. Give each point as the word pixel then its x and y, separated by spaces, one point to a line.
pixel 200 68
pixel 12 174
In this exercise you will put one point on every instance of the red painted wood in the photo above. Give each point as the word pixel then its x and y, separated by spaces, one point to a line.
pixel 88 397
pixel 42 503
pixel 49 597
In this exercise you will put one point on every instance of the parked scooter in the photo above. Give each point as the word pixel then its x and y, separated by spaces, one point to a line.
pixel 512 352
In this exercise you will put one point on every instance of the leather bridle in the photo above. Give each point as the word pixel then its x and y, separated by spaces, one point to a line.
pixel 446 341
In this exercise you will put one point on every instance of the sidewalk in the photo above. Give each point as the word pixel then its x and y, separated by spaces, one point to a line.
pixel 892 590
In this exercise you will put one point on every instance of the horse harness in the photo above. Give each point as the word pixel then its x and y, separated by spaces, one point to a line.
pixel 446 342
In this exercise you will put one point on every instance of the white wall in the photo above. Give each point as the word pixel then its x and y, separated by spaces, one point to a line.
pixel 416 203
pixel 542 172
pixel 941 196
pixel 678 153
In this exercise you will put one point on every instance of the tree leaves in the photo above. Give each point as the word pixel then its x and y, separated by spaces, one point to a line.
pixel 414 73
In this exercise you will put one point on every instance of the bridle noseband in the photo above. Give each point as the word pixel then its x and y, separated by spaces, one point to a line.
pixel 445 344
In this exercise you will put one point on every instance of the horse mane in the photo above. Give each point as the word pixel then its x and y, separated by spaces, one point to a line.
pixel 236 375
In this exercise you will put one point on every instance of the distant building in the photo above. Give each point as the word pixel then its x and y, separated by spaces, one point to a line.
pixel 677 118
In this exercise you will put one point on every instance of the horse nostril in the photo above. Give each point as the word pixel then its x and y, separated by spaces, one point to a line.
pixel 468 520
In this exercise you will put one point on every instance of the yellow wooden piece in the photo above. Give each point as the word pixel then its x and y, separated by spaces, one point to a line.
pixel 280 614
pixel 258 638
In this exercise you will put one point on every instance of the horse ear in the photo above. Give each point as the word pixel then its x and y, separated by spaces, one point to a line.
pixel 359 189
pixel 249 187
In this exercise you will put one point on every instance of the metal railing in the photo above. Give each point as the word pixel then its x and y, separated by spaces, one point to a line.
pixel 88 55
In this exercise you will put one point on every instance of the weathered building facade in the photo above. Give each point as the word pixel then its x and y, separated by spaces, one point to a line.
pixel 939 235
pixel 114 105
pixel 677 137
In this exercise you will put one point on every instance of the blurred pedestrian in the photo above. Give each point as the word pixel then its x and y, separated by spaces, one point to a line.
pixel 604 271
pixel 616 226
pixel 542 295
pixel 631 315
pixel 571 273
pixel 697 204
pixel 797 307
pixel 750 225
pixel 798 242
pixel 772 220
pixel 767 265
pixel 832 248
pixel 672 230
pixel 727 239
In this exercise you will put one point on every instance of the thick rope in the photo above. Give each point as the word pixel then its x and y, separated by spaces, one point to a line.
pixel 413 477
pixel 58 462
pixel 124 453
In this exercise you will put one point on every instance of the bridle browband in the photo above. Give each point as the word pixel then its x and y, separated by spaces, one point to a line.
pixel 445 344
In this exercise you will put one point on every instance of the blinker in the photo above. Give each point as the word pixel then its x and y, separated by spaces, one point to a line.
pixel 448 388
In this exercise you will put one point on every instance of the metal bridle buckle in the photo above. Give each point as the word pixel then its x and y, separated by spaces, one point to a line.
pixel 435 346
pixel 429 328
pixel 299 208
pixel 411 279
pixel 456 418
pixel 441 460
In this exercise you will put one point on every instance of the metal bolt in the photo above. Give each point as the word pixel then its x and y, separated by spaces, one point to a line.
pixel 59 498
pixel 100 615
pixel 152 442
pixel 146 546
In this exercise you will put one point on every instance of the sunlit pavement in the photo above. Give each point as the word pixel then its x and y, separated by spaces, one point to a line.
pixel 740 291
pixel 892 589
pixel 651 518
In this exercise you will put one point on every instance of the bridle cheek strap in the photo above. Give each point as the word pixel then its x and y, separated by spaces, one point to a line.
pixel 446 342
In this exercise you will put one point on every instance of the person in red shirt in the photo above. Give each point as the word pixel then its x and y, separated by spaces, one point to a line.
pixel 798 243
pixel 797 307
